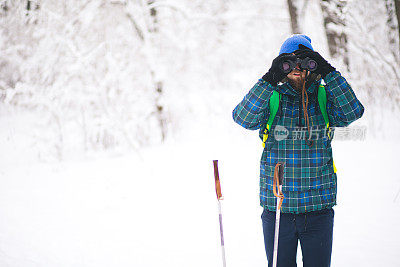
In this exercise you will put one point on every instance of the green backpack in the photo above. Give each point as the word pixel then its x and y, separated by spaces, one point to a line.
pixel 274 105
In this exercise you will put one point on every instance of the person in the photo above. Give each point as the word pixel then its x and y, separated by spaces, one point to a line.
pixel 310 182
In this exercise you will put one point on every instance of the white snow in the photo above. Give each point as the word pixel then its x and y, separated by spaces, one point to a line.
pixel 160 209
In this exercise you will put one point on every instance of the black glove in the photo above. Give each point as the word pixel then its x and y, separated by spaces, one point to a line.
pixel 275 73
pixel 323 67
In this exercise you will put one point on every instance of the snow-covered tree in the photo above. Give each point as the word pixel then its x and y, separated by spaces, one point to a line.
pixel 393 30
pixel 373 65
pixel 294 15
pixel 334 13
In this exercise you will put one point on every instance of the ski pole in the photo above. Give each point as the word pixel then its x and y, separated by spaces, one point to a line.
pixel 219 197
pixel 278 177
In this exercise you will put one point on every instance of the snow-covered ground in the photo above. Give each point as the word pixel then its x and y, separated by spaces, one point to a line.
pixel 158 208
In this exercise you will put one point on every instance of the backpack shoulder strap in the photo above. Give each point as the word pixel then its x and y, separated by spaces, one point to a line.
pixel 273 109
pixel 322 103
pixel 322 106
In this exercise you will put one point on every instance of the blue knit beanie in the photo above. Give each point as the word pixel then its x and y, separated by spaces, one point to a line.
pixel 292 43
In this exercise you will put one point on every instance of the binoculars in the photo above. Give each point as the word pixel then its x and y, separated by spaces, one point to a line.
pixel 305 64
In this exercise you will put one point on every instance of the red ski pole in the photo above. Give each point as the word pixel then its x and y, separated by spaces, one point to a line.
pixel 219 197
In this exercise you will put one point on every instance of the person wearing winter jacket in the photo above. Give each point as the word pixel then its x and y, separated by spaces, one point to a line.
pixel 310 182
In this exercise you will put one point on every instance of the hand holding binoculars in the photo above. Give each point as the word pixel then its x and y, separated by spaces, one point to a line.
pixel 304 59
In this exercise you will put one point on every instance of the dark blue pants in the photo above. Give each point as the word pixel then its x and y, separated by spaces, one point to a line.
pixel 313 229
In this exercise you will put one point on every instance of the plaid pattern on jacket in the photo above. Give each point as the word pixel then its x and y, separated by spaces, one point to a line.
pixel 310 182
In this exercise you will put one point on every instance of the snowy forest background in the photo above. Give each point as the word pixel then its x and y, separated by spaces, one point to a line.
pixel 112 110
pixel 79 77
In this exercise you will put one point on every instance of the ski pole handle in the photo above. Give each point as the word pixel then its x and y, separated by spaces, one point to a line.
pixel 217 183
pixel 277 183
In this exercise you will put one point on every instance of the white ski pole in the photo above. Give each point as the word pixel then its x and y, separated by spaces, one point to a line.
pixel 219 197
pixel 278 177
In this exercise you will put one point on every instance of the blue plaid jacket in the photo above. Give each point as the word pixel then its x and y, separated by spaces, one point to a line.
pixel 310 182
